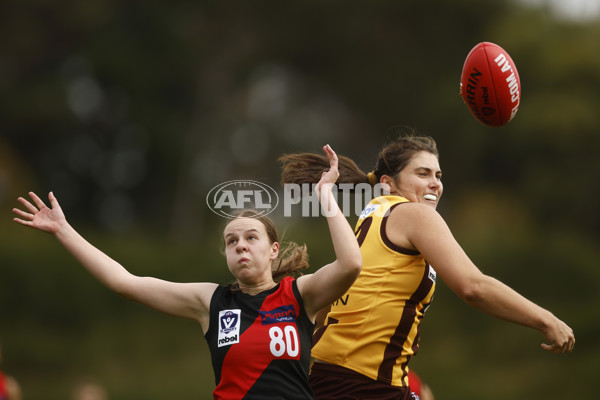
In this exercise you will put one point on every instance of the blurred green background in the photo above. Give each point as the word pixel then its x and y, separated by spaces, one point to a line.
pixel 132 111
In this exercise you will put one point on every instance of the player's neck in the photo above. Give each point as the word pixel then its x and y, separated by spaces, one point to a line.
pixel 253 289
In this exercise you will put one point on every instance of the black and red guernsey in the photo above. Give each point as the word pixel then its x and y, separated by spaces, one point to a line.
pixel 260 345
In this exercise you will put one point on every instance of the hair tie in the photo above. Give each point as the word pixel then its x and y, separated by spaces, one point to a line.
pixel 372 178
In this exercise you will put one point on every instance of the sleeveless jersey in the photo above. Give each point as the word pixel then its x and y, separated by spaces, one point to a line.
pixel 373 328
pixel 260 345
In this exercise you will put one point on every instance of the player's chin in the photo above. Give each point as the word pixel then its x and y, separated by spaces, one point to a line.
pixel 430 203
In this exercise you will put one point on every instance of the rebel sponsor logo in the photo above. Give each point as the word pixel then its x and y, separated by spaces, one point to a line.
pixel 228 340
pixel 229 327
pixel 279 314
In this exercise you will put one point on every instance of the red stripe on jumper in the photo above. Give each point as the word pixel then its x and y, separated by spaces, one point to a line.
pixel 247 363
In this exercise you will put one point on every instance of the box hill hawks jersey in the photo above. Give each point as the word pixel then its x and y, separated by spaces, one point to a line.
pixel 260 345
pixel 373 328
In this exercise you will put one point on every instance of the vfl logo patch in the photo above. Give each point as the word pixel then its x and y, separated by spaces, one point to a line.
pixel 279 314
pixel 229 327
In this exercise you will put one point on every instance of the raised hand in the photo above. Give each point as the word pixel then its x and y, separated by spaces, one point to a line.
pixel 329 177
pixel 39 216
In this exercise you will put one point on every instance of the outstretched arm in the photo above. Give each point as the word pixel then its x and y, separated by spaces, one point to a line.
pixel 426 231
pixel 331 281
pixel 188 300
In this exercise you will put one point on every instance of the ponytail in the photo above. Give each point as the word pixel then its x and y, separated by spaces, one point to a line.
pixel 303 168
pixel 308 167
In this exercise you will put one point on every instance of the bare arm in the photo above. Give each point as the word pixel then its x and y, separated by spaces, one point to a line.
pixel 187 300
pixel 331 281
pixel 421 227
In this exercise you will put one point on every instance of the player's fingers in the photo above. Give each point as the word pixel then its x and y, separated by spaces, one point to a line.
pixel 572 344
pixel 38 202
pixel 23 222
pixel 546 347
pixel 53 201
pixel 556 348
pixel 333 158
pixel 27 204
pixel 568 342
pixel 553 348
pixel 568 346
pixel 23 214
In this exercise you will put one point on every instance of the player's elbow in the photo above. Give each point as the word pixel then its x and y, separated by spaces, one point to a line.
pixel 472 291
pixel 352 267
pixel 122 288
pixel 355 264
pixel 123 284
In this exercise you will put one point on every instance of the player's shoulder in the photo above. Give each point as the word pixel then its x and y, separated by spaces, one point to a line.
pixel 416 215
pixel 204 291
pixel 414 208
pixel 303 280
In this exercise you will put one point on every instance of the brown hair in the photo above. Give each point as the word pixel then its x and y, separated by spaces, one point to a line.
pixel 292 257
pixel 307 167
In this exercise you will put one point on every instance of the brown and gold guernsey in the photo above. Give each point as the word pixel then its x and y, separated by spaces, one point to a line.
pixel 373 329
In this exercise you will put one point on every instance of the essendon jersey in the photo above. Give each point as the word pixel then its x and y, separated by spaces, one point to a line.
pixel 260 345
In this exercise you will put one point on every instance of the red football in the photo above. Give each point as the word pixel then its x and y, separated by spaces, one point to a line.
pixel 490 84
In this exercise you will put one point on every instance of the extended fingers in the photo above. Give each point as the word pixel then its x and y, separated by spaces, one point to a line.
pixel 53 202
pixel 27 204
pixel 22 213
pixel 26 218
pixel 40 204
pixel 23 221
pixel 333 159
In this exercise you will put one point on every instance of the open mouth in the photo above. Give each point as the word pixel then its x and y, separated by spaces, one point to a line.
pixel 430 197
